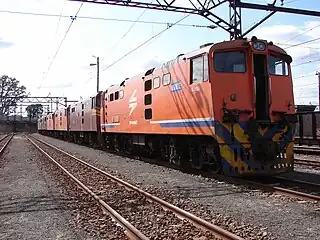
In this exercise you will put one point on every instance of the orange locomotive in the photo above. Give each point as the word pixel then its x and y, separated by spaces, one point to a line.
pixel 226 107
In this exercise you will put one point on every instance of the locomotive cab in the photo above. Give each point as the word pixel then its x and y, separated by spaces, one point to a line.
pixel 256 107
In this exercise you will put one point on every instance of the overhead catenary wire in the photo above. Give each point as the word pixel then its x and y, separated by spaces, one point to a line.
pixel 141 45
pixel 127 32
pixel 59 47
pixel 123 36
pixel 302 43
pixel 106 19
pixel 303 63
pixel 304 32
pixel 145 42
pixel 59 20
pixel 306 75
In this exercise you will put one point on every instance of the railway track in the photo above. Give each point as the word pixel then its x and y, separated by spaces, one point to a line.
pixel 295 188
pixel 311 150
pixel 277 185
pixel 110 188
pixel 307 162
pixel 4 142
pixel 269 187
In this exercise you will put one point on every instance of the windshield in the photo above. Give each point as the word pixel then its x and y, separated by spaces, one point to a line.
pixel 233 61
pixel 277 66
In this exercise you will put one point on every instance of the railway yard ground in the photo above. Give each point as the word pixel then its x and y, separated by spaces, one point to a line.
pixel 40 201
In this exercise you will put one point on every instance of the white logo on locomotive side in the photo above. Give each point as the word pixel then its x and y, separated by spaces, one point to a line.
pixel 133 102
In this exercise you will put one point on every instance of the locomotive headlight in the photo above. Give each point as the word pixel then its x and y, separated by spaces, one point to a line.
pixel 261 46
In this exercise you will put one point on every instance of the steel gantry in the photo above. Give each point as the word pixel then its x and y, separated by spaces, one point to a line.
pixel 205 8
pixel 47 102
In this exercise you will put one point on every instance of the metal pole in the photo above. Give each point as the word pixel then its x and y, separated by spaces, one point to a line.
pixel 97 74
pixel 318 73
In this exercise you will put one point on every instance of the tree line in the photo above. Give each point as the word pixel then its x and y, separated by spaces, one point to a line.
pixel 11 93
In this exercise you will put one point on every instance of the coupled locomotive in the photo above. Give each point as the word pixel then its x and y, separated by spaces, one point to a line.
pixel 226 107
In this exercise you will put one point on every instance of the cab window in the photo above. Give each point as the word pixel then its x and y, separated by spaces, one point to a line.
pixel 199 68
pixel 230 62
pixel 277 66
pixel 166 79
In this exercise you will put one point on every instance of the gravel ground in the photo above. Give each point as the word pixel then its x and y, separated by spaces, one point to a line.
pixel 30 207
pixel 307 157
pixel 306 173
pixel 253 213
pixel 146 216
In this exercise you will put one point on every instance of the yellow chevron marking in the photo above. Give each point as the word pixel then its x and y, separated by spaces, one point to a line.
pixel 289 153
pixel 277 136
pixel 262 131
pixel 228 155
pixel 239 135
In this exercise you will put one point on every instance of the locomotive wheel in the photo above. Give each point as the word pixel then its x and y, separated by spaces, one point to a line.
pixel 216 164
pixel 216 167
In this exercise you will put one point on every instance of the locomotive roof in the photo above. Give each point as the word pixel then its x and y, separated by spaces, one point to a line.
pixel 202 49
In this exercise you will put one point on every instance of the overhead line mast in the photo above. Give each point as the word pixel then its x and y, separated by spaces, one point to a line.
pixel 204 8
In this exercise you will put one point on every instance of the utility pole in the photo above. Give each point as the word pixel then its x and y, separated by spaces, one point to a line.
pixel 96 64
pixel 318 73
pixel 97 74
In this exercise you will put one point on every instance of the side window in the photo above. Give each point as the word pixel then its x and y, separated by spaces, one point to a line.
pixel 148 85
pixel 73 109
pixel 148 99
pixel 116 95
pixel 233 62
pixel 148 113
pixel 111 97
pixel 156 82
pixel 121 94
pixel 277 66
pixel 205 68
pixel 166 79
pixel 197 69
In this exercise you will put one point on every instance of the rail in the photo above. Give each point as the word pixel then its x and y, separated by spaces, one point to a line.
pixel 198 222
pixel 306 162
pixel 6 143
pixel 268 187
pixel 130 230
pixel 287 192
pixel 310 150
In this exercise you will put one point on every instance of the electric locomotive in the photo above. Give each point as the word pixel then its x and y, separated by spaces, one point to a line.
pixel 226 107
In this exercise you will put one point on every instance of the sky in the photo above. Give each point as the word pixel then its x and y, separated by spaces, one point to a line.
pixel 28 43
